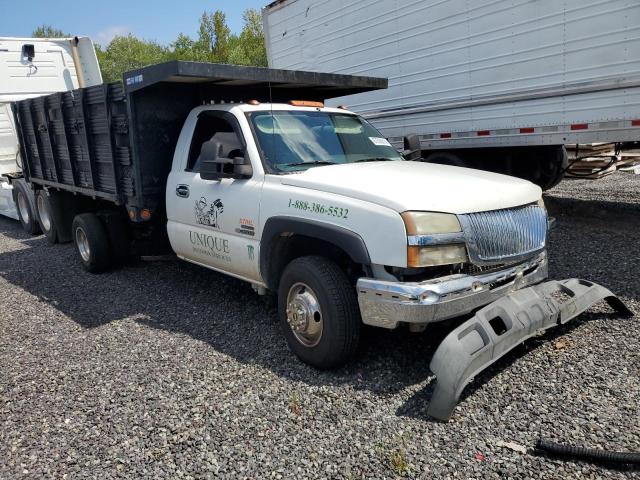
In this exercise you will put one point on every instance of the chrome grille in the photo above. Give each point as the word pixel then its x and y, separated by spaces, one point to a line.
pixel 505 235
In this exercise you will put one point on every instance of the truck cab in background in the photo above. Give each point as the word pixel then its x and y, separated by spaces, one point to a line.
pixel 31 67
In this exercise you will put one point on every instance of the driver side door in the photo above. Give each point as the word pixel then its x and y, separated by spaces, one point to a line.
pixel 213 222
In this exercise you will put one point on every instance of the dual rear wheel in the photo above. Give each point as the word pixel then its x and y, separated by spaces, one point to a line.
pixel 101 240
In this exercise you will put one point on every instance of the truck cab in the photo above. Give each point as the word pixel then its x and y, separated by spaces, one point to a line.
pixel 31 67
pixel 313 203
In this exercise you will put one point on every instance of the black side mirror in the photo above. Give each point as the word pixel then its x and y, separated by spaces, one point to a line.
pixel 412 149
pixel 215 167
pixel 28 51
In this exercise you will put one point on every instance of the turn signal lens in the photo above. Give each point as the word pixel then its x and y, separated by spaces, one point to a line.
pixel 145 214
pixel 436 255
pixel 428 223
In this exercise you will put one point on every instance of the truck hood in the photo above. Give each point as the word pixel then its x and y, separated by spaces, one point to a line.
pixel 410 185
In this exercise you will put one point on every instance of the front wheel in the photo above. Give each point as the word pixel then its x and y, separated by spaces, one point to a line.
pixel 318 312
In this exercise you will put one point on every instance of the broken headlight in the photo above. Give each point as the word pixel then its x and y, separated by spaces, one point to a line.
pixel 433 239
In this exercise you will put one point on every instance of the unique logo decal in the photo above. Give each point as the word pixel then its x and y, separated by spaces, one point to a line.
pixel 209 214
pixel 251 252
pixel 246 227
pixel 210 245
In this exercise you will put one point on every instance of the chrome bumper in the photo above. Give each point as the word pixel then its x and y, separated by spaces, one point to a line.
pixel 385 304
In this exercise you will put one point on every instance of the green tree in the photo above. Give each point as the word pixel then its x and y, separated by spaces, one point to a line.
pixel 127 53
pixel 249 47
pixel 47 31
pixel 214 36
pixel 215 43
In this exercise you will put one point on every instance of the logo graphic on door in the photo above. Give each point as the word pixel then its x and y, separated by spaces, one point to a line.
pixel 209 214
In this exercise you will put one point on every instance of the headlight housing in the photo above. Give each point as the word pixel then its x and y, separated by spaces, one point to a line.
pixel 428 223
pixel 434 239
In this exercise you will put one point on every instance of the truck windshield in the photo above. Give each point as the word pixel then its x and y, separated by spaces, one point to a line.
pixel 296 140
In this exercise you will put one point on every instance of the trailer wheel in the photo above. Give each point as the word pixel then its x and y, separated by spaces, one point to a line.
pixel 319 312
pixel 23 198
pixel 46 216
pixel 92 242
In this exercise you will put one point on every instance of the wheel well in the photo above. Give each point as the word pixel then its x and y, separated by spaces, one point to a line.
pixel 288 246
pixel 285 238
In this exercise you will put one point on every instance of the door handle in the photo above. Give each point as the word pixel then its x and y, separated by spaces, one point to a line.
pixel 182 191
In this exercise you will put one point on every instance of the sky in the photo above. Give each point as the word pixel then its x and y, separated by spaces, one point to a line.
pixel 159 20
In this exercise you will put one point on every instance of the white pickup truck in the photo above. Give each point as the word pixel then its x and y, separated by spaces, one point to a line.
pixel 306 201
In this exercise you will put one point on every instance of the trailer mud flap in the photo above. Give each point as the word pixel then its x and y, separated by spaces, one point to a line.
pixel 502 325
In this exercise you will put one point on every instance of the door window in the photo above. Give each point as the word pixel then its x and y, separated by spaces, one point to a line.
pixel 217 130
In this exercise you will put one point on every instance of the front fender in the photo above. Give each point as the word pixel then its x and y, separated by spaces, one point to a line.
pixel 341 237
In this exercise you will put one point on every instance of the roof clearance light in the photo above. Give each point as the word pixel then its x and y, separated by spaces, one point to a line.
pixel 253 102
pixel 306 103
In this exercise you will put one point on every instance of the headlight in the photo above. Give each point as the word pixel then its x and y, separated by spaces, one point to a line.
pixel 426 223
pixel 436 255
pixel 437 226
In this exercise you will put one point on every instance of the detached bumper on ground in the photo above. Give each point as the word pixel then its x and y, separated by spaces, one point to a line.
pixel 499 327
pixel 385 304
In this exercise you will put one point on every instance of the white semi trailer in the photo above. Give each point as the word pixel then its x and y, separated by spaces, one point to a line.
pixel 30 67
pixel 498 85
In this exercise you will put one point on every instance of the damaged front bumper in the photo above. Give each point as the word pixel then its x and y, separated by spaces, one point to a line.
pixel 385 303
pixel 499 327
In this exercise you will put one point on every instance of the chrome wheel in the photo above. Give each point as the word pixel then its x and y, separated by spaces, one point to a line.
pixel 43 213
pixel 83 244
pixel 304 315
pixel 23 208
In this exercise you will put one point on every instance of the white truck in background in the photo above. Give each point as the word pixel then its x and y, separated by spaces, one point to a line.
pixel 30 67
pixel 495 85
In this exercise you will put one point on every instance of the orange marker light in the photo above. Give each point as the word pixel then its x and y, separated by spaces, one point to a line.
pixel 306 103
pixel 145 214
pixel 253 102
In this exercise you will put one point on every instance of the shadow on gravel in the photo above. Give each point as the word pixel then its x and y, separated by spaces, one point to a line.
pixel 223 312
pixel 226 314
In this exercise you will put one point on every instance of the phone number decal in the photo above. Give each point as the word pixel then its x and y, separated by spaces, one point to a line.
pixel 319 208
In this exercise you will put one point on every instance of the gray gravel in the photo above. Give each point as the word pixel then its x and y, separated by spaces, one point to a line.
pixel 619 189
pixel 164 369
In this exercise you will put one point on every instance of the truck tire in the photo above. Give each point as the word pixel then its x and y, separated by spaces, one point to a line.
pixel 92 242
pixel 24 199
pixel 48 221
pixel 119 240
pixel 318 312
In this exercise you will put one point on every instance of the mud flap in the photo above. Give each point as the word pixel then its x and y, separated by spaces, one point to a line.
pixel 501 326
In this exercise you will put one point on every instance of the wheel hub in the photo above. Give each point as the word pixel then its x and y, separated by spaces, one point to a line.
pixel 83 244
pixel 304 315
pixel 43 213
pixel 23 207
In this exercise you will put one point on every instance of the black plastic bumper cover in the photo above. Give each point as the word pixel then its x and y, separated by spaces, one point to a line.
pixel 502 325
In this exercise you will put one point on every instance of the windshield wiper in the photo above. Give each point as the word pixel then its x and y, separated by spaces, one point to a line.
pixel 316 162
pixel 379 159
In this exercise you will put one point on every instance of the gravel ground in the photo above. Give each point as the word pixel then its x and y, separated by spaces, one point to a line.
pixel 619 189
pixel 164 369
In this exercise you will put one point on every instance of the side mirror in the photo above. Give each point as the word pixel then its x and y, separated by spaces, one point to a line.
pixel 412 149
pixel 214 167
